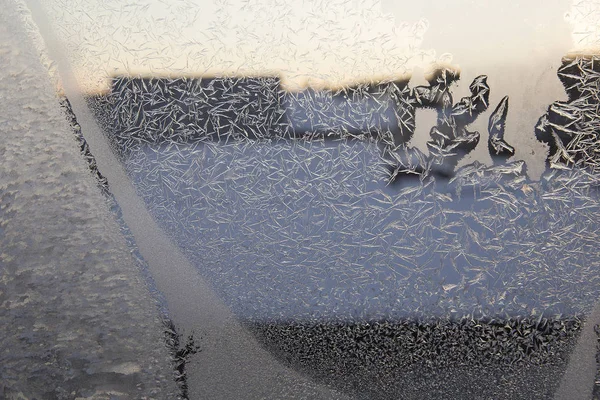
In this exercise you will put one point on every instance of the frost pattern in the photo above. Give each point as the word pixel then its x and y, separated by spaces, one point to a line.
pixel 76 320
pixel 306 42
pixel 279 203
pixel 571 128
pixel 270 167
pixel 584 16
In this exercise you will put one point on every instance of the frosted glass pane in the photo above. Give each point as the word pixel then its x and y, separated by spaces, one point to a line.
pixel 371 199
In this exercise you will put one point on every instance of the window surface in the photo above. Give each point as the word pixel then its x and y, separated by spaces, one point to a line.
pixel 278 199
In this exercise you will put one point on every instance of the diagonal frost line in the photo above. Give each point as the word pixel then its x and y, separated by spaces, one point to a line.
pixel 232 364
pixel 578 380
